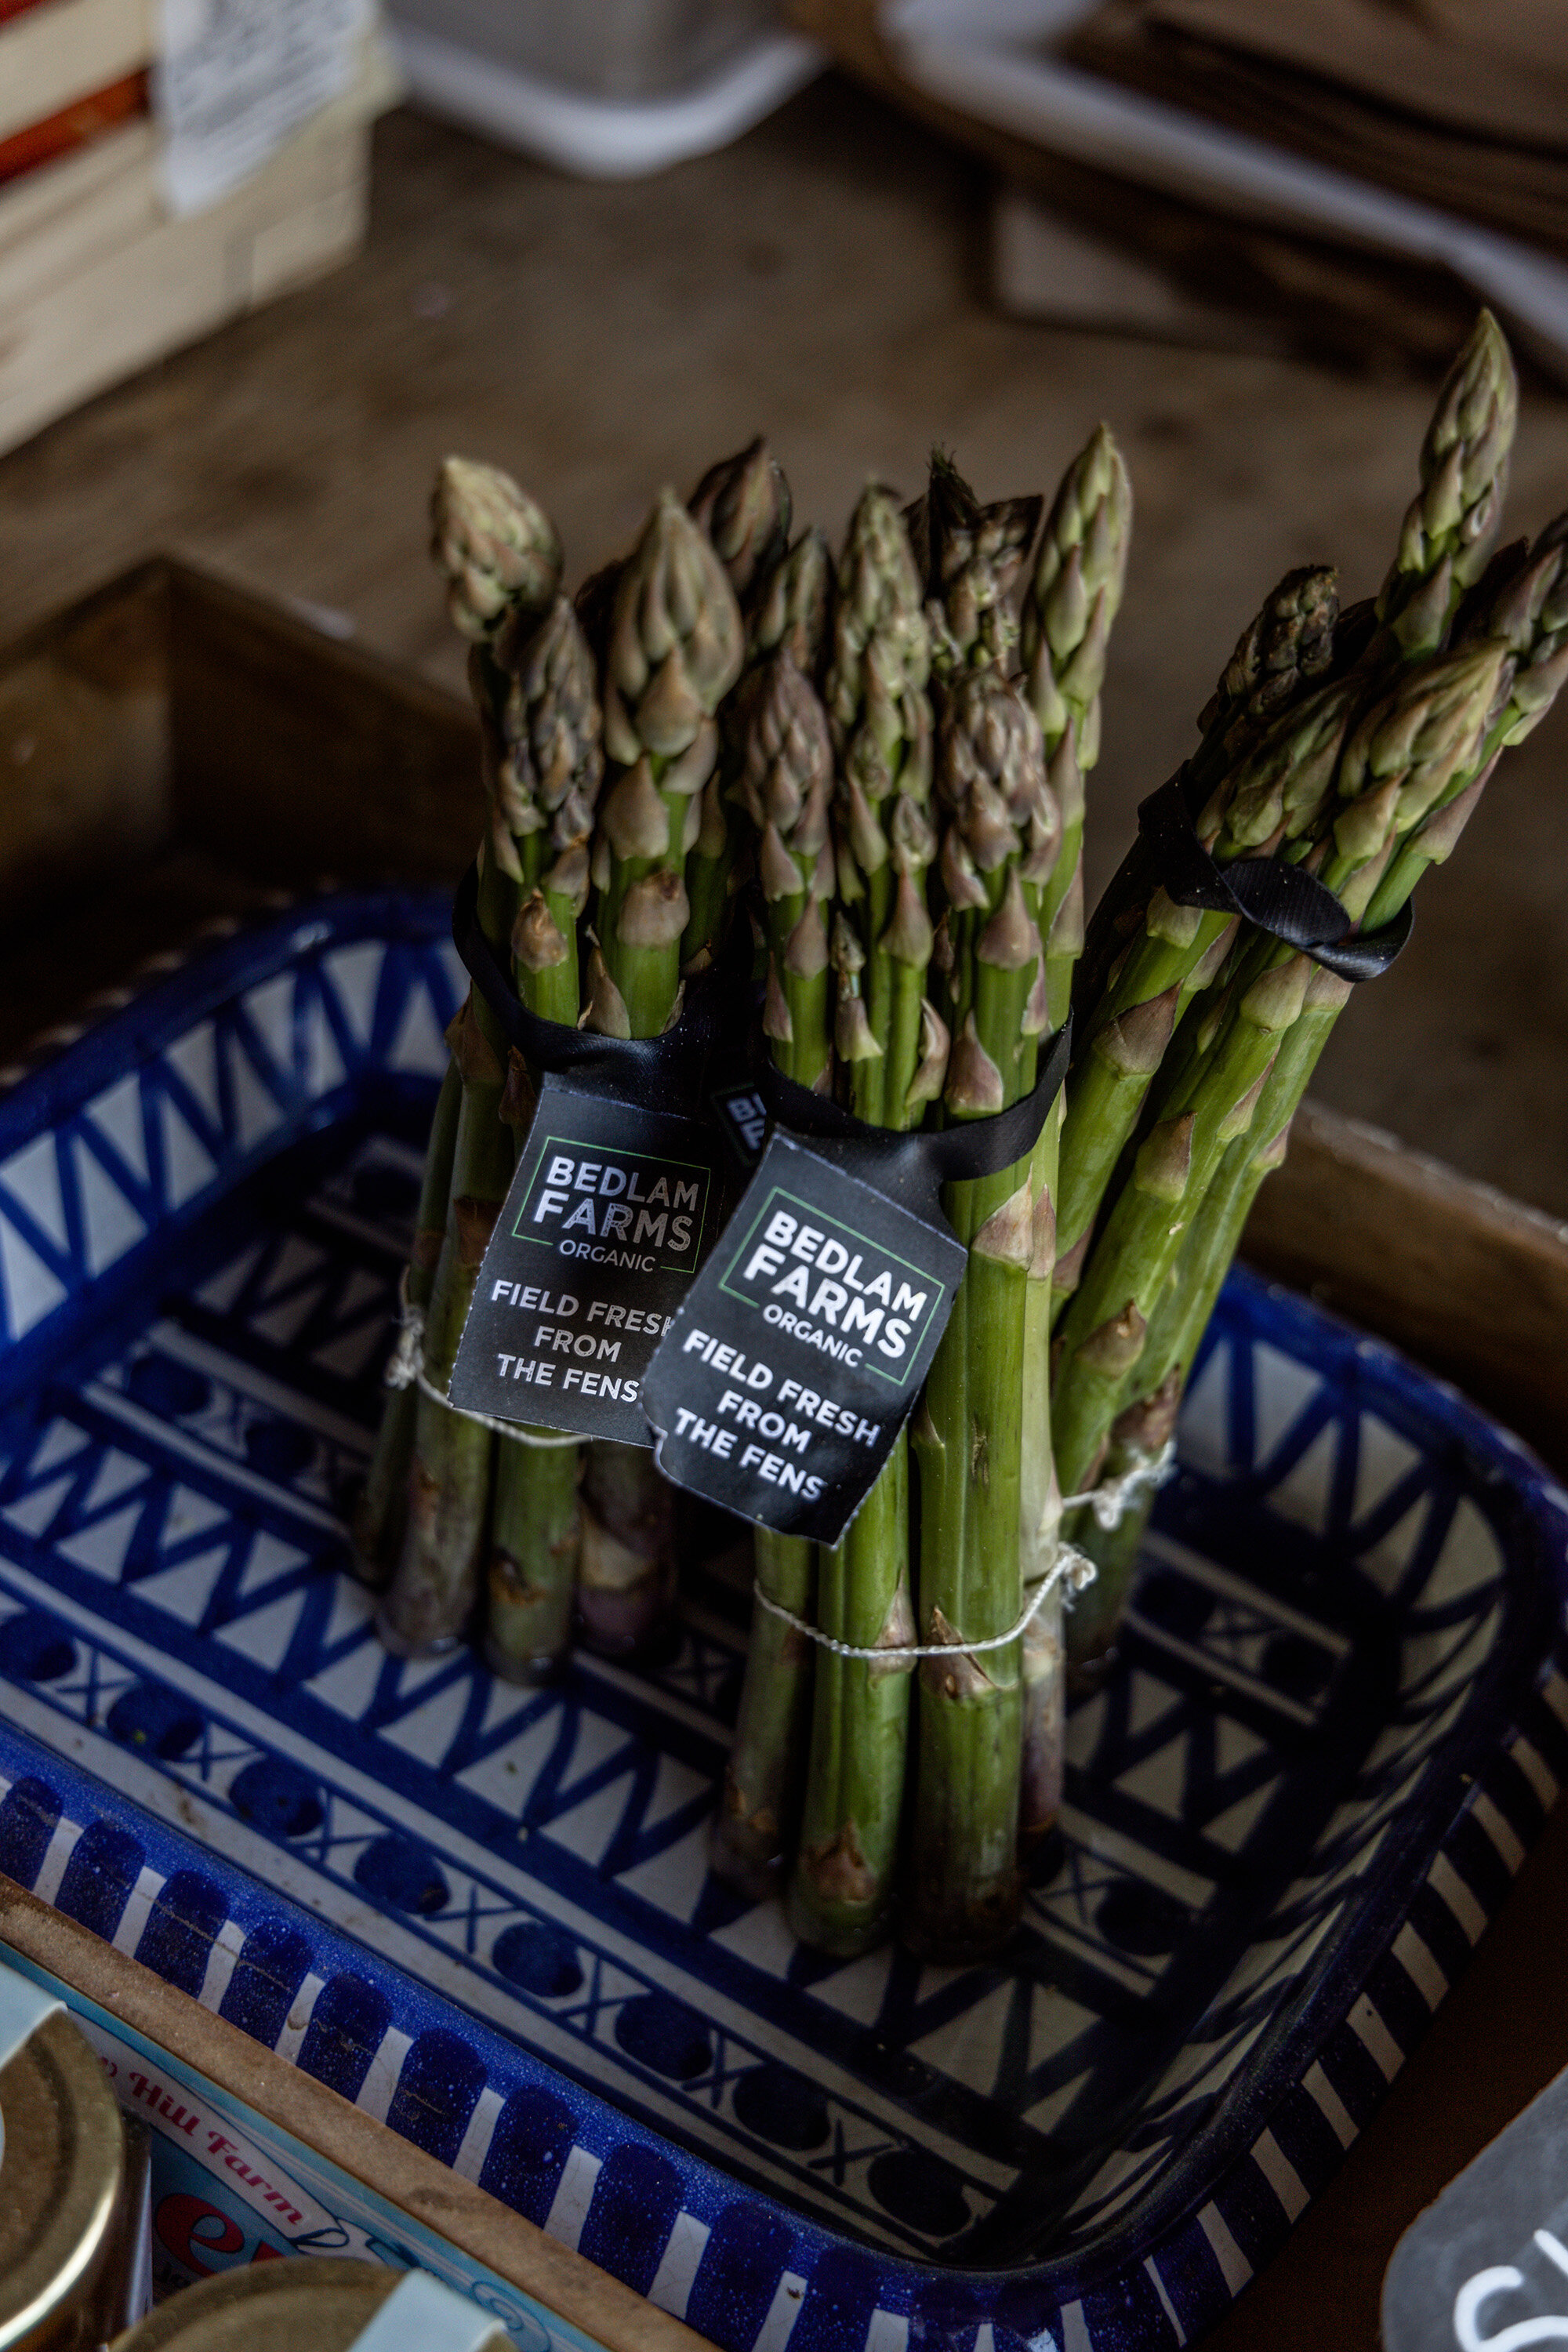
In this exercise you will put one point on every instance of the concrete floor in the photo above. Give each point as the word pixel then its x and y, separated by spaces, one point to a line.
pixel 824 281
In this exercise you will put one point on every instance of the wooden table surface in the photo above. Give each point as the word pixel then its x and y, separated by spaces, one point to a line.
pixel 823 281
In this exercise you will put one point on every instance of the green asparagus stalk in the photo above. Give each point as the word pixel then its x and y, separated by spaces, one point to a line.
pixel 889 1043
pixel 674 649
pixel 785 790
pixel 1287 644
pixel 548 786
pixel 1528 614
pixel 502 558
pixel 435 1583
pixel 969 1434
pixel 787 613
pixel 1072 602
pixel 381 1512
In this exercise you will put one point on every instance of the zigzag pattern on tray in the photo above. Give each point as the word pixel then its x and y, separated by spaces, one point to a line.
pixel 1327 1559
pixel 611 1781
pixel 213 1097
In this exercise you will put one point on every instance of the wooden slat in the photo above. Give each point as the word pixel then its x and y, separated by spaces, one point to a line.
pixel 83 748
pixel 479 2224
pixel 294 756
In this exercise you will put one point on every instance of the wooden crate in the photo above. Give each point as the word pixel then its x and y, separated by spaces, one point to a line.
pixel 54 53
pixel 97 278
pixel 173 750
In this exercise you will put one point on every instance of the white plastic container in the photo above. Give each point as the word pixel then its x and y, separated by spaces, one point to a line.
pixel 611 89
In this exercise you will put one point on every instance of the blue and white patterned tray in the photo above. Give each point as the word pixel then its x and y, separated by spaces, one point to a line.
pixel 483 1912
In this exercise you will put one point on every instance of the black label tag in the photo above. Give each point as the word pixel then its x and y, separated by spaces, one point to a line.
pixel 801 1346
pixel 611 1213
pixel 743 1117
pixel 1488 2264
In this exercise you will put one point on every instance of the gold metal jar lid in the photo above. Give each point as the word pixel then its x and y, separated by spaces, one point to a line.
pixel 61 2173
pixel 307 2305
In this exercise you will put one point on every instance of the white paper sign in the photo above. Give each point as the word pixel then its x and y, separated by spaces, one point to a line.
pixel 236 77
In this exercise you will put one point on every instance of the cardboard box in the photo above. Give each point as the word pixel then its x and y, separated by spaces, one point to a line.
pixel 97 277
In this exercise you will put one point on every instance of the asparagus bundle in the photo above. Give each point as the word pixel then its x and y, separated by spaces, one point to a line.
pixel 987 1514
pixel 1443 547
pixel 1528 617
pixel 1428 731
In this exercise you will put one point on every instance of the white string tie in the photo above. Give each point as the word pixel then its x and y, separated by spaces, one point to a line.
pixel 407 1370
pixel 1070 1568
pixel 1112 1502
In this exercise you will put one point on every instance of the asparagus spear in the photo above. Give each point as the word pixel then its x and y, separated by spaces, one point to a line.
pixel 789 613
pixel 785 789
pixel 381 1512
pixel 1453 519
pixel 1428 729
pixel 791 607
pixel 501 552
pixel 881 721
pixel 743 504
pixel 1072 601
pixel 674 651
pixel 502 558
pixel 1528 614
pixel 888 1041
pixel 969 1434
pixel 435 1582
pixel 549 783
pixel 1288 644
pixel 971 556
